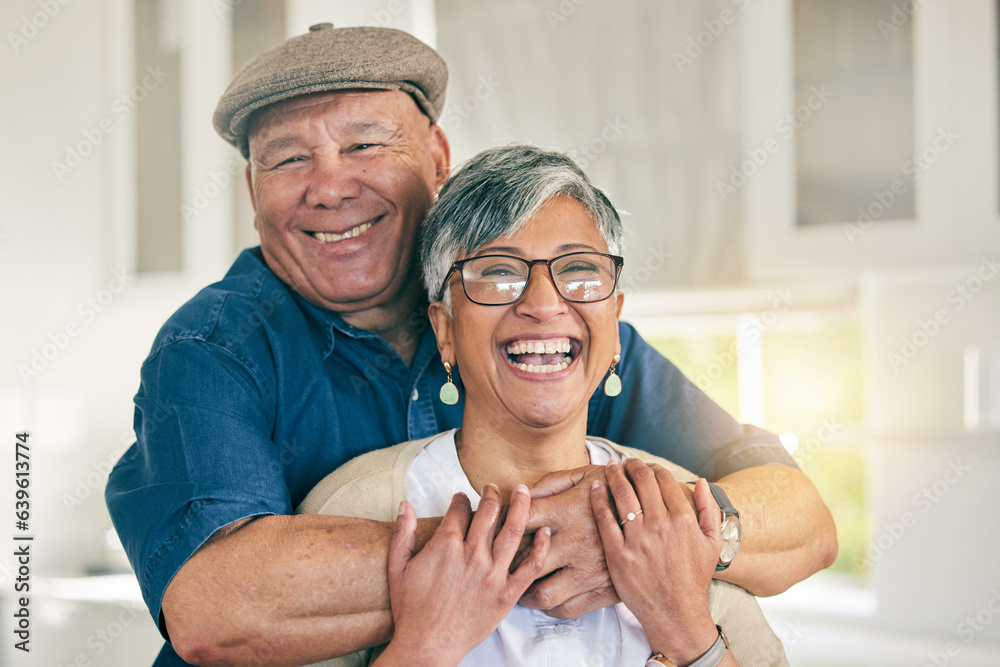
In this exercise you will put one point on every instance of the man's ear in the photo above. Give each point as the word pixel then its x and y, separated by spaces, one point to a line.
pixel 248 172
pixel 441 154
pixel 441 322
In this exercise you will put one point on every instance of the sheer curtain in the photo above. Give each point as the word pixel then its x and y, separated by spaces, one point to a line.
pixel 647 96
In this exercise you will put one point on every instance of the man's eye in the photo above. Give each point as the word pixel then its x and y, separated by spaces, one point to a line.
pixel 361 147
pixel 290 160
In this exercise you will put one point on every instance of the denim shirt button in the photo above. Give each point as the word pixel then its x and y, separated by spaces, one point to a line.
pixel 415 395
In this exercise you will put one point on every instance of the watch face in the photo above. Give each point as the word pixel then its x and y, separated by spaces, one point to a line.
pixel 732 533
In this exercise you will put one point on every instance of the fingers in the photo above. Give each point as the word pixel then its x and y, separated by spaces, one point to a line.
pixel 709 513
pixel 404 534
pixel 508 541
pixel 673 496
pixel 607 523
pixel 483 527
pixel 556 482
pixel 531 568
pixel 456 519
pixel 646 484
pixel 621 489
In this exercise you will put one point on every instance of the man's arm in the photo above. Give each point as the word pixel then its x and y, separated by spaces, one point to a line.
pixel 284 590
pixel 788 532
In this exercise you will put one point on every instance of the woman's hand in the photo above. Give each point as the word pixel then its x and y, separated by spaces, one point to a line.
pixel 449 597
pixel 662 560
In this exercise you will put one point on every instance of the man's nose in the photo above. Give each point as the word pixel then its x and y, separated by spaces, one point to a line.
pixel 332 179
pixel 541 300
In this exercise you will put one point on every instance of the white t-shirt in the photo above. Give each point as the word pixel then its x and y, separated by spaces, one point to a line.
pixel 609 636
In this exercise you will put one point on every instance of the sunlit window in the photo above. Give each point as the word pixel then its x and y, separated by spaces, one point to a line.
pixel 811 390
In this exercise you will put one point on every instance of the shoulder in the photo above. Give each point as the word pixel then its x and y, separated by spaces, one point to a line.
pixel 369 486
pixel 249 296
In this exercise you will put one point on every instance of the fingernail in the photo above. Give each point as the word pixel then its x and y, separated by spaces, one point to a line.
pixel 596 484
pixel 546 531
pixel 521 488
pixel 402 508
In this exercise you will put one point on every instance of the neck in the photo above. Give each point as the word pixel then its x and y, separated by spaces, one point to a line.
pixel 399 323
pixel 509 454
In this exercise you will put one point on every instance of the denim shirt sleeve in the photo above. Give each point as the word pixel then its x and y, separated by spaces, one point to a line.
pixel 203 458
pixel 662 412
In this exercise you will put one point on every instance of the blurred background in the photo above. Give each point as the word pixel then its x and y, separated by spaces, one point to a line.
pixel 811 199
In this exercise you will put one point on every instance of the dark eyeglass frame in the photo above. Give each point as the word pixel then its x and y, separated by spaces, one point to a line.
pixel 619 262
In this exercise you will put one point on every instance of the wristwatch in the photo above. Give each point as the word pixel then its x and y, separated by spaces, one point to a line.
pixel 710 658
pixel 732 529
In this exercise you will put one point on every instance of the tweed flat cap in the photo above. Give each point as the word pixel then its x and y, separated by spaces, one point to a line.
pixel 328 58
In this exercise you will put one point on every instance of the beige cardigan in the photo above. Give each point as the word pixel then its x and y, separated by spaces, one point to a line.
pixel 373 485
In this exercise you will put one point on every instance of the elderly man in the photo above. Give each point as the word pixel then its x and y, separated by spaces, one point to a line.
pixel 315 348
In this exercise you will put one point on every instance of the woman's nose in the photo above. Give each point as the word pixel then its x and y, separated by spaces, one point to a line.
pixel 541 300
pixel 331 180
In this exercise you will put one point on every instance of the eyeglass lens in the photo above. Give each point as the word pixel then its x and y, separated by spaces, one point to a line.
pixel 497 279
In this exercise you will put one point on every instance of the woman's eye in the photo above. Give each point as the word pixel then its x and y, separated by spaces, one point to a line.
pixel 578 267
pixel 499 270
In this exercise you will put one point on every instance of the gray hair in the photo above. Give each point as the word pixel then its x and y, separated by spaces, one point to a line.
pixel 493 195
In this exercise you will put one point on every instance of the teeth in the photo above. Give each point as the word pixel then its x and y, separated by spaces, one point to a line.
pixel 349 234
pixel 545 368
pixel 539 347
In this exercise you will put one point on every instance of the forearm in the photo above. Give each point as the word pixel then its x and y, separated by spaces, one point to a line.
pixel 788 532
pixel 284 590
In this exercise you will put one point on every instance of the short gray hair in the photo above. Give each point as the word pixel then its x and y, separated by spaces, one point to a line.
pixel 493 195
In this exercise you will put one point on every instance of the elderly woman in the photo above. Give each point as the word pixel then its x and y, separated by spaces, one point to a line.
pixel 521 259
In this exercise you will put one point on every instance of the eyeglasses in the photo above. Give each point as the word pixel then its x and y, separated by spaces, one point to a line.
pixel 500 280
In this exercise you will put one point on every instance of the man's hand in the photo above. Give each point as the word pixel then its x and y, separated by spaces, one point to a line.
pixel 578 581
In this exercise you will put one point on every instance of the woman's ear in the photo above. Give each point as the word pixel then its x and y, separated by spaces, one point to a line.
pixel 619 300
pixel 441 322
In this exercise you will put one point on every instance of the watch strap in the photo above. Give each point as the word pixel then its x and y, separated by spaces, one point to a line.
pixel 710 658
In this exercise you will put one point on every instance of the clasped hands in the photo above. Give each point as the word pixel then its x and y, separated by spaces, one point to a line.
pixel 448 597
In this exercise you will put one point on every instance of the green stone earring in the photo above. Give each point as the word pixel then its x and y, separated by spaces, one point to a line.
pixel 612 386
pixel 449 392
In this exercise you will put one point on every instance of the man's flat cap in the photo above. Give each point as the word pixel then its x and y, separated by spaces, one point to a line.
pixel 328 58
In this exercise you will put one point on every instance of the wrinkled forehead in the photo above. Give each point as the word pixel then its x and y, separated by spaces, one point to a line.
pixel 386 108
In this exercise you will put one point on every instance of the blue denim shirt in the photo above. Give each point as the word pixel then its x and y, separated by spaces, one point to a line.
pixel 251 395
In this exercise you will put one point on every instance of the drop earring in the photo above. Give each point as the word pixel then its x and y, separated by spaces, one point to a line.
pixel 449 392
pixel 613 385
